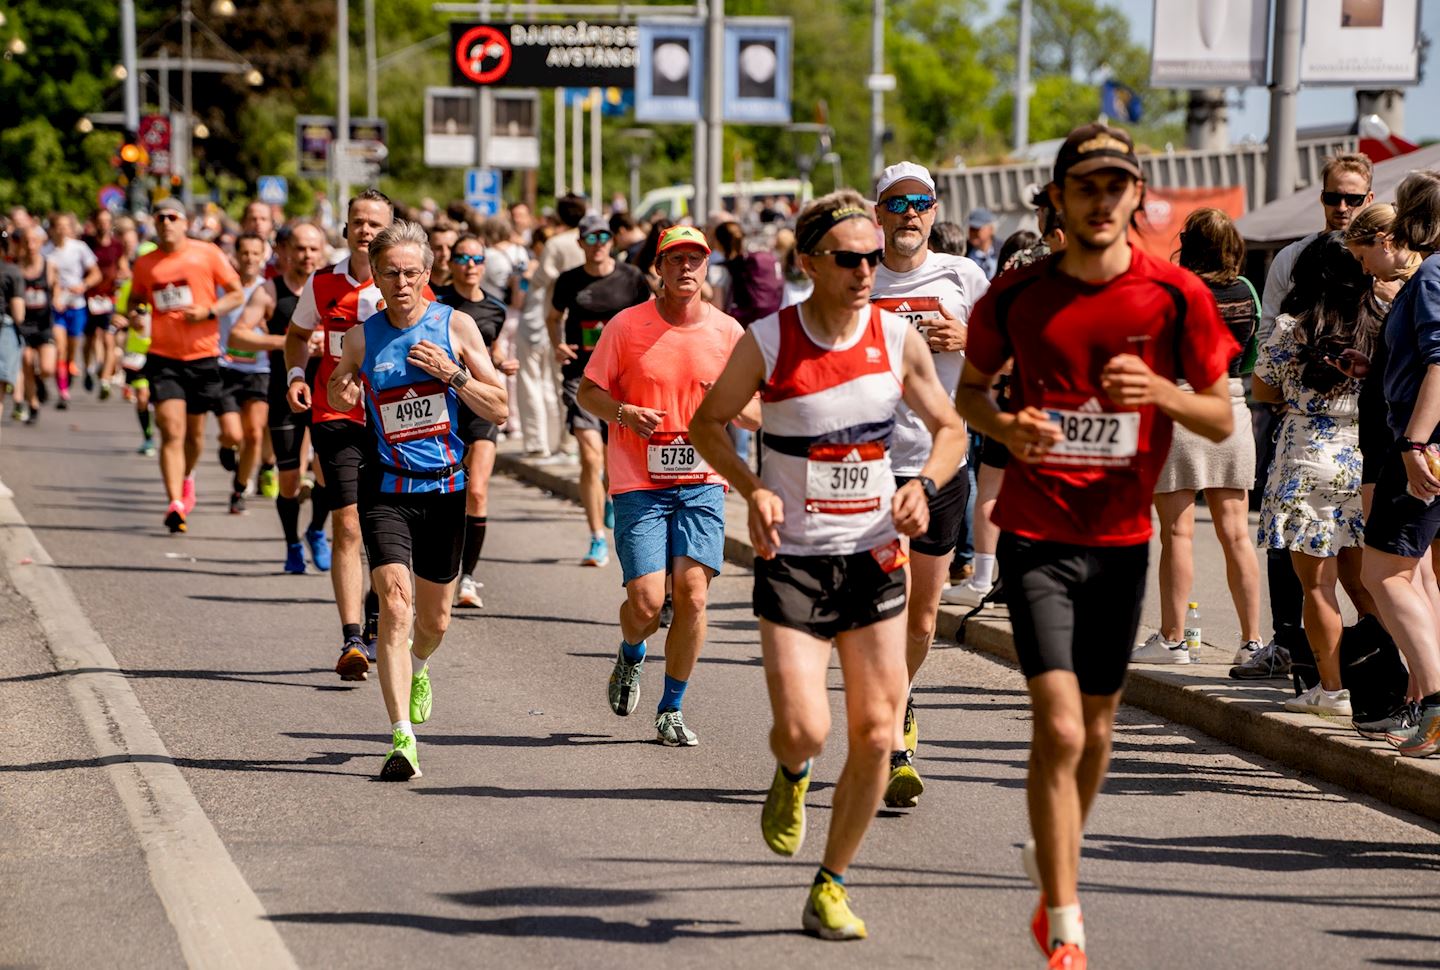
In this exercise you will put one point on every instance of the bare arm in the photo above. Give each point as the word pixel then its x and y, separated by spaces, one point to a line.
pixel 597 400
pixel 17 309
pixel 1420 428
pixel 563 351
pixel 484 393
pixel 92 278
pixel 1028 434
pixel 297 356
pixel 910 507
pixel 1264 392
pixel 249 332
pixel 344 386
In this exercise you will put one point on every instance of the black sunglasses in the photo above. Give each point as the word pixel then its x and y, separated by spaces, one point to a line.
pixel 1351 199
pixel 899 203
pixel 595 238
pixel 846 259
pixel 168 217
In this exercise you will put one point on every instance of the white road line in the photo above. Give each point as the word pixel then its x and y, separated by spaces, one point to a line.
pixel 217 917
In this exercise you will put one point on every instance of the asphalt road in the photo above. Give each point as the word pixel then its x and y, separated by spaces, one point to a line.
pixel 546 832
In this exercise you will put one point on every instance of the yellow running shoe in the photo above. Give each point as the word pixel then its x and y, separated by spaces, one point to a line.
pixel 912 733
pixel 782 821
pixel 905 787
pixel 827 913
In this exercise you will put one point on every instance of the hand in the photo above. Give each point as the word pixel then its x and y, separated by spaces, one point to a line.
pixel 347 394
pixel 195 314
pixel 1031 435
pixel 642 421
pixel 316 343
pixel 509 367
pixel 910 509
pixel 946 334
pixel 298 396
pixel 767 511
pixel 564 353
pixel 1351 363
pixel 432 359
pixel 1129 381
pixel 1423 483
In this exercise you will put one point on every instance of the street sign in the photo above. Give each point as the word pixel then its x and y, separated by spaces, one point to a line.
pixel 155 139
pixel 482 190
pixel 111 197
pixel 314 135
pixel 272 189
pixel 575 54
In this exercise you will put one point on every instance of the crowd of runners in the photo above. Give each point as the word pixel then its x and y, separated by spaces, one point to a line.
pixel 916 387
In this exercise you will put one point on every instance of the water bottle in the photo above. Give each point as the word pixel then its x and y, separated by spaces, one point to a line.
pixel 1192 632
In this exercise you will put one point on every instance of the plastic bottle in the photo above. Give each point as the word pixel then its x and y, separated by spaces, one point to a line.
pixel 1192 632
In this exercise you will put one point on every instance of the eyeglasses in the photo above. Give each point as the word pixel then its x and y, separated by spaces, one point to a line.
pixel 595 238
pixel 846 259
pixel 899 203
pixel 408 275
pixel 168 217
pixel 469 259
pixel 690 259
pixel 1351 199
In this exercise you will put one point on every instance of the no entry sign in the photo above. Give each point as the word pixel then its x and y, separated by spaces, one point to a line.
pixel 576 54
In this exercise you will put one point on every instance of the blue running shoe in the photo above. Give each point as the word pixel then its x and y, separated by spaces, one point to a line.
pixel 609 514
pixel 599 554
pixel 319 548
pixel 294 557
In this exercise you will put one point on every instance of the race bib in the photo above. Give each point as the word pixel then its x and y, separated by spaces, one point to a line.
pixel 914 309
pixel 101 306
pixel 133 361
pixel 671 459
pixel 335 343
pixel 169 298
pixel 35 298
pixel 845 479
pixel 590 333
pixel 414 411
pixel 1095 437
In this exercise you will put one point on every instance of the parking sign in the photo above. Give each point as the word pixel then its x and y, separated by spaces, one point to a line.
pixel 482 190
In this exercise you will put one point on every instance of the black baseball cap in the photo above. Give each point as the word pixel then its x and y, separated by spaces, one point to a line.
pixel 1094 148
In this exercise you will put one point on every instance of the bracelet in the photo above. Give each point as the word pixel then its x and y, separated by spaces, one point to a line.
pixel 296 374
pixel 620 414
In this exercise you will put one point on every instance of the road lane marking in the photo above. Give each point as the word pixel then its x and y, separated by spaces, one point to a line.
pixel 217 918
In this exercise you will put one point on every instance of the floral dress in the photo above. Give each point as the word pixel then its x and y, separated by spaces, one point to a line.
pixel 1312 496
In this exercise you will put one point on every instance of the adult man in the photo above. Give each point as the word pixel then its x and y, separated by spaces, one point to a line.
pixel 980 245
pixel 934 293
pixel 76 271
pixel 1097 335
pixel 1345 190
pixel 333 301
pixel 113 263
pixel 245 383
pixel 180 281
pixel 824 521
pixel 258 219
pixel 651 367
pixel 263 327
pixel 582 301
pixel 418 361
pixel 442 241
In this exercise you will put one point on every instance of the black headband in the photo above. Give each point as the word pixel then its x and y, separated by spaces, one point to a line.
pixel 815 231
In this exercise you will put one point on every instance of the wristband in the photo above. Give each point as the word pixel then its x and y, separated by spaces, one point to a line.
pixel 296 374
pixel 619 414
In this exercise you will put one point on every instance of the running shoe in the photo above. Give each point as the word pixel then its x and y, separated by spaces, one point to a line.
pixel 1067 957
pixel 319 548
pixel 187 495
pixel 468 593
pixel 827 912
pixel 105 390
pixel 1423 739
pixel 1318 700
pixel 670 726
pixel 237 503
pixel 609 514
pixel 421 700
pixel 227 458
pixel 667 612
pixel 782 820
pixel 1399 721
pixel 147 448
pixel 966 593
pixel 1040 927
pixel 1272 660
pixel 599 554
pixel 17 413
pixel 175 518
pixel 911 730
pixel 403 762
pixel 1158 650
pixel 352 664
pixel 89 382
pixel 33 417
pixel 42 392
pixel 371 636
pixel 294 558
pixel 270 483
pixel 905 787
pixel 1247 652
pixel 624 687
pixel 63 404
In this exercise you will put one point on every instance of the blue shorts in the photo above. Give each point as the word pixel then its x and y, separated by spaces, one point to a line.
pixel 654 526
pixel 73 320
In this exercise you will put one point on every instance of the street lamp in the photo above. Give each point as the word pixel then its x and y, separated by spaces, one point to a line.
pixel 222 8
pixel 84 126
pixel 16 47
pixel 119 73
pixel 254 78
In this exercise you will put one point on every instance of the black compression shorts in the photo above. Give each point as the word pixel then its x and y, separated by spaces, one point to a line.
pixel 344 448
pixel 425 532
pixel 947 516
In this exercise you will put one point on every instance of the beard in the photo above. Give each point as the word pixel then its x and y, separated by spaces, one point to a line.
pixel 907 242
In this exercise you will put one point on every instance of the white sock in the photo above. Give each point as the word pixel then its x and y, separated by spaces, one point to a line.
pixel 984 569
pixel 1066 925
pixel 404 725
pixel 598 535
pixel 417 664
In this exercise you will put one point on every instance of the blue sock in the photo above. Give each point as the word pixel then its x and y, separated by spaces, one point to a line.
pixel 795 776
pixel 824 873
pixel 633 652
pixel 674 694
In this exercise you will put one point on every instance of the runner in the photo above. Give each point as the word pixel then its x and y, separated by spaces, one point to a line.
pixel 37 360
pixel 132 359
pixel 1098 334
pixel 262 327
pixel 333 300
pixel 651 367
pixel 245 383
pixel 933 292
pixel 416 360
pixel 824 521
pixel 180 281
pixel 100 329
pixel 76 272
pixel 465 293
pixel 582 301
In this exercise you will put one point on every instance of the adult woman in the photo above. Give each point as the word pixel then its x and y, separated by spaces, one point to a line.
pixel 1211 248
pixel 1312 497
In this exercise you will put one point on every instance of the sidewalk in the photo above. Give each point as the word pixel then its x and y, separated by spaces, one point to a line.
pixel 1246 714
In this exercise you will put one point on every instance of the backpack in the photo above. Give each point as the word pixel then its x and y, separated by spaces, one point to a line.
pixel 757 287
pixel 1372 671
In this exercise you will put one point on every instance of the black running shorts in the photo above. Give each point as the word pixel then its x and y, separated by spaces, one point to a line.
pixel 1399 523
pixel 343 448
pixel 238 387
pixel 425 532
pixel 196 382
pixel 576 417
pixel 473 428
pixel 947 516
pixel 1074 608
pixel 826 596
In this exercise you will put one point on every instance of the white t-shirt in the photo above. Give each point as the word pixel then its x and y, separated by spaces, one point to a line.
pixel 954 282
pixel 71 261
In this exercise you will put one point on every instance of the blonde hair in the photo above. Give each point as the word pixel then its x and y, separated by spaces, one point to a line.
pixel 1352 162
pixel 1370 222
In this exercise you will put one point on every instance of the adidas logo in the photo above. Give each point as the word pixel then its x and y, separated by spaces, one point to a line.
pixel 409 393
pixel 904 307
pixel 1091 406
pixel 853 456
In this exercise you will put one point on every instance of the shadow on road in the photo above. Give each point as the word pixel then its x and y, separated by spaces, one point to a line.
pixel 308 766
pixel 1267 853
pixel 567 927
pixel 557 740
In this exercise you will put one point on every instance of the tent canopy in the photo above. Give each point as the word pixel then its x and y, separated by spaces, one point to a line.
pixel 1285 220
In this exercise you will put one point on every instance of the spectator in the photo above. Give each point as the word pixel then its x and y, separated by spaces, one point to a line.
pixel 756 287
pixel 980 244
pixel 629 237
pixel 442 240
pixel 644 259
pixel 727 241
pixel 948 237
pixel 798 286
pixel 535 390
pixel 1019 240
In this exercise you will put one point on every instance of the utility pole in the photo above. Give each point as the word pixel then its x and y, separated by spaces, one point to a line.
pixel 877 90
pixel 1282 166
pixel 700 155
pixel 1022 81
pixel 340 147
pixel 597 104
pixel 187 18
pixel 372 92
pixel 714 110
pixel 132 71
pixel 559 142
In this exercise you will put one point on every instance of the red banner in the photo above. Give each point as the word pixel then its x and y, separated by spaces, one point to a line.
pixel 1166 210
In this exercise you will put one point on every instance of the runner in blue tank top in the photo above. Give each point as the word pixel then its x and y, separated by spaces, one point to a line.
pixel 414 362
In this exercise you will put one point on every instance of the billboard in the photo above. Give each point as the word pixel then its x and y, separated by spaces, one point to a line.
pixel 577 54
pixel 670 76
pixel 1364 42
pixel 757 70
pixel 1209 43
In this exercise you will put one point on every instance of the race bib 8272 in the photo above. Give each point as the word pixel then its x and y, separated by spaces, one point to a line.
pixel 1092 436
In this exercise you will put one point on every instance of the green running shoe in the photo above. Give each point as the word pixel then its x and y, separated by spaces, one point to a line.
pixel 827 913
pixel 904 787
pixel 625 685
pixel 670 726
pixel 404 761
pixel 420 698
pixel 782 821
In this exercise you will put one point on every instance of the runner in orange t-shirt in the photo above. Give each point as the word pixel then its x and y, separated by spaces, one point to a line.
pixel 181 281
pixel 647 376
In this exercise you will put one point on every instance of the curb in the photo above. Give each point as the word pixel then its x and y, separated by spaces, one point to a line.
pixel 1244 714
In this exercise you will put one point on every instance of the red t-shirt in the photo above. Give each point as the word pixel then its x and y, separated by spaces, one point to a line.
pixel 1095 488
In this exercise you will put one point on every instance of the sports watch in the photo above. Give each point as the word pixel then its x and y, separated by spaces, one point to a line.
pixel 459 379
pixel 928 484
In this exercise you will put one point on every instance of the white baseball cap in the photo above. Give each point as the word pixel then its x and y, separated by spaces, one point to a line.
pixel 901 171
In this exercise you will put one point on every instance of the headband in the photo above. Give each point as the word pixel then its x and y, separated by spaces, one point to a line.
pixel 816 230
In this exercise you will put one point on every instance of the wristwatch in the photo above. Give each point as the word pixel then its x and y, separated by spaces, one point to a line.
pixel 210 314
pixel 928 484
pixel 459 379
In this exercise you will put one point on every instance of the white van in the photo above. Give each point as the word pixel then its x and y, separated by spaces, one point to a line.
pixel 673 201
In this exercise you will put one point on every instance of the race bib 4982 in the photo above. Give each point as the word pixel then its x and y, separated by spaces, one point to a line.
pixel 413 411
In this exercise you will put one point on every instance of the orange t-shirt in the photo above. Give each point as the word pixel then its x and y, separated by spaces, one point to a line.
pixel 170 283
pixel 644 361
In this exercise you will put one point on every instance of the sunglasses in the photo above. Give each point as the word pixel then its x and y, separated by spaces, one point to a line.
pixel 469 259
pixel 595 238
pixel 897 204
pixel 1350 199
pixel 168 217
pixel 846 259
